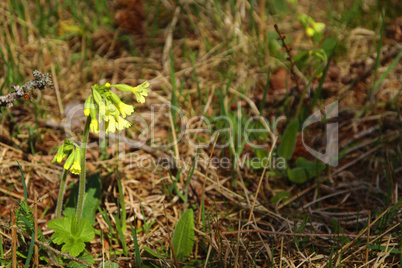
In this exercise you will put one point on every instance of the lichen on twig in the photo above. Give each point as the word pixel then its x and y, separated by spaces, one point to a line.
pixel 40 82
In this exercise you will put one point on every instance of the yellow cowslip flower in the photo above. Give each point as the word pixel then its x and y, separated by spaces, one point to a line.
pixel 102 107
pixel 111 109
pixel 318 27
pixel 122 123
pixel 315 28
pixel 76 167
pixel 63 151
pixel 69 161
pixel 94 126
pixel 88 105
pixel 59 155
pixel 312 28
pixel 123 108
pixel 110 125
pixel 140 91
pixel 310 31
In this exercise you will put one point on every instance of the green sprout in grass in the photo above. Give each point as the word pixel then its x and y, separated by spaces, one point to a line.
pixel 316 57
pixel 102 105
pixel 315 30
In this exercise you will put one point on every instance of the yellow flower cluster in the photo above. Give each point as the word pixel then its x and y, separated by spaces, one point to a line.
pixel 102 105
pixel 110 108
pixel 73 162
pixel 313 29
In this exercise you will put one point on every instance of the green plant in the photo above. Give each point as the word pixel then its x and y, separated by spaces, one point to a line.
pixel 102 105
pixel 75 229
pixel 72 233
pixel 315 59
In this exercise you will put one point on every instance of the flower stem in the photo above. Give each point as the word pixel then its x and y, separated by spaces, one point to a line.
pixel 63 182
pixel 81 187
pixel 119 185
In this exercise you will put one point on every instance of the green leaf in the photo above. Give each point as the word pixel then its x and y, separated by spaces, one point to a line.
pixel 84 257
pixel 92 199
pixel 183 236
pixel 297 175
pixel 289 140
pixel 313 168
pixel 305 170
pixel 71 234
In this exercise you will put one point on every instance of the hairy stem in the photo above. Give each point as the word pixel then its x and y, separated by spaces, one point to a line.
pixel 63 182
pixel 81 187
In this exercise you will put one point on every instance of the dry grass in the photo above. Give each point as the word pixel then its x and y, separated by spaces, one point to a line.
pixel 329 221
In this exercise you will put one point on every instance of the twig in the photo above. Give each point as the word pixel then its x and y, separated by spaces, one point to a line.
pixel 65 255
pixel 288 50
pixel 40 82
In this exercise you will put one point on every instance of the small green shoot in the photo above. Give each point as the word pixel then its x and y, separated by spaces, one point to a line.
pixel 121 235
pixel 136 246
pixel 389 69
